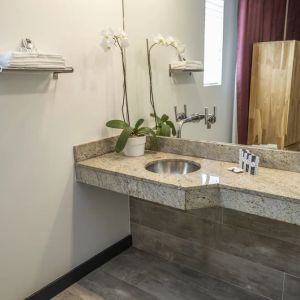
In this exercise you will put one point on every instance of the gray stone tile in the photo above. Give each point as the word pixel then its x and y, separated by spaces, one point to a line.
pixel 176 222
pixel 272 228
pixel 170 281
pixel 210 213
pixel 253 277
pixel 237 241
pixel 111 288
pixel 291 288
pixel 271 252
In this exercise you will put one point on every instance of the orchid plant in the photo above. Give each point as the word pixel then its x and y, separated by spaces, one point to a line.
pixel 120 40
pixel 159 40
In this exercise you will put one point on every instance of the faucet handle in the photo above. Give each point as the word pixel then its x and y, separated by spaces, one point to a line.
pixel 214 116
pixel 182 115
pixel 206 116
pixel 175 111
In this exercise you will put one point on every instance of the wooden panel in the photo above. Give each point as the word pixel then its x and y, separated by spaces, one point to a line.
pixel 294 147
pixel 293 136
pixel 270 93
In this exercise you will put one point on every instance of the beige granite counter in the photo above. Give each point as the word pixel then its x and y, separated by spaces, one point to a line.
pixel 273 193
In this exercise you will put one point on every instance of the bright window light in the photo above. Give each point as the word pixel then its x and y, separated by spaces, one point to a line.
pixel 213 42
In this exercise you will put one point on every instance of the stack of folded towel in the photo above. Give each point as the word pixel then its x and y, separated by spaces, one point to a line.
pixel 31 60
pixel 187 65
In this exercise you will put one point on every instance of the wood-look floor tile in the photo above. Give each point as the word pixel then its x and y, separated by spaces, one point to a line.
pixel 171 281
pixel 253 277
pixel 291 288
pixel 77 292
pixel 111 288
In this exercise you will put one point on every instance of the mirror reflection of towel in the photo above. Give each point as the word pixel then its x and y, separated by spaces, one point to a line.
pixel 187 64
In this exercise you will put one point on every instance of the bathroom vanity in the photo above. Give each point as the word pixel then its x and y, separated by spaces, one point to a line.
pixel 273 194
pixel 239 228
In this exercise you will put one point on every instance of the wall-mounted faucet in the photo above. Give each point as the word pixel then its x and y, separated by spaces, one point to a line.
pixel 182 118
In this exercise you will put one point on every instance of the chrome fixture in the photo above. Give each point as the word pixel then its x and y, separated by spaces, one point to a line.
pixel 173 166
pixel 25 70
pixel 182 118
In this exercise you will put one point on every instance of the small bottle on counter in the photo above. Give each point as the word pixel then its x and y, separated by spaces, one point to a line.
pixel 248 161
pixel 253 170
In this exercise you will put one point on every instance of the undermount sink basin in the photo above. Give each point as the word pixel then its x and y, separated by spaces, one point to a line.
pixel 173 166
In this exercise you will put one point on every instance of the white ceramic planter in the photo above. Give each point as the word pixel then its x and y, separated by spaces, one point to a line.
pixel 135 146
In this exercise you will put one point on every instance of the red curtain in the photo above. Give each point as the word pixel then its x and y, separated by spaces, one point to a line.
pixel 293 20
pixel 258 21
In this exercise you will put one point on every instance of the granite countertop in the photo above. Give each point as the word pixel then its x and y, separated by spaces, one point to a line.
pixel 274 183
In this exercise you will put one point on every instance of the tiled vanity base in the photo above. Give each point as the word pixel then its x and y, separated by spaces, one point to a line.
pixel 255 253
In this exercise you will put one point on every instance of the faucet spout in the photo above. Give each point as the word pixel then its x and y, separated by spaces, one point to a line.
pixel 179 129
pixel 182 118
pixel 193 118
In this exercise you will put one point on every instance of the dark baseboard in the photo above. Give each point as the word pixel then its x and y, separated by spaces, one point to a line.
pixel 60 284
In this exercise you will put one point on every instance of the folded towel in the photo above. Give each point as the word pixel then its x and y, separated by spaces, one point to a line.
pixel 40 66
pixel 20 54
pixel 187 65
pixel 36 60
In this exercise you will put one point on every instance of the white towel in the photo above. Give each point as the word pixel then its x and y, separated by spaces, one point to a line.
pixel 187 65
pixel 34 60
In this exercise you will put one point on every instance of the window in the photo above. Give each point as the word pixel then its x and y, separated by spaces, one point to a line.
pixel 213 42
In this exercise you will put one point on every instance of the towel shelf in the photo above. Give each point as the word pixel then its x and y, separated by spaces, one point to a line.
pixel 54 71
pixel 178 71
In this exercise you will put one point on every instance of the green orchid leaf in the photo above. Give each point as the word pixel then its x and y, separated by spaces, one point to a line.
pixel 146 131
pixel 157 118
pixel 165 130
pixel 123 138
pixel 171 125
pixel 164 118
pixel 138 123
pixel 119 124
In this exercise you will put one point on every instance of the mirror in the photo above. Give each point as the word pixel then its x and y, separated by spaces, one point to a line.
pixel 267 114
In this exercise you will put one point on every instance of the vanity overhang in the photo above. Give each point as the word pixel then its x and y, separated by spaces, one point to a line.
pixel 274 193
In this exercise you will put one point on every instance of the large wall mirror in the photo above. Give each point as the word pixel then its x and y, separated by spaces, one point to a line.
pixel 251 61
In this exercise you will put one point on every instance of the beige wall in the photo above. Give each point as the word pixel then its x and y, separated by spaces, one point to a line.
pixel 184 20
pixel 48 223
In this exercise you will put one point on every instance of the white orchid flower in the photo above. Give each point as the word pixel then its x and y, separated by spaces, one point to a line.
pixel 160 40
pixel 110 39
pixel 107 39
pixel 121 34
pixel 124 42
pixel 170 41
pixel 107 33
pixel 123 38
pixel 106 44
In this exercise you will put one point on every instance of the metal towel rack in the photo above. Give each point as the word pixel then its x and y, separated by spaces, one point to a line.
pixel 54 71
